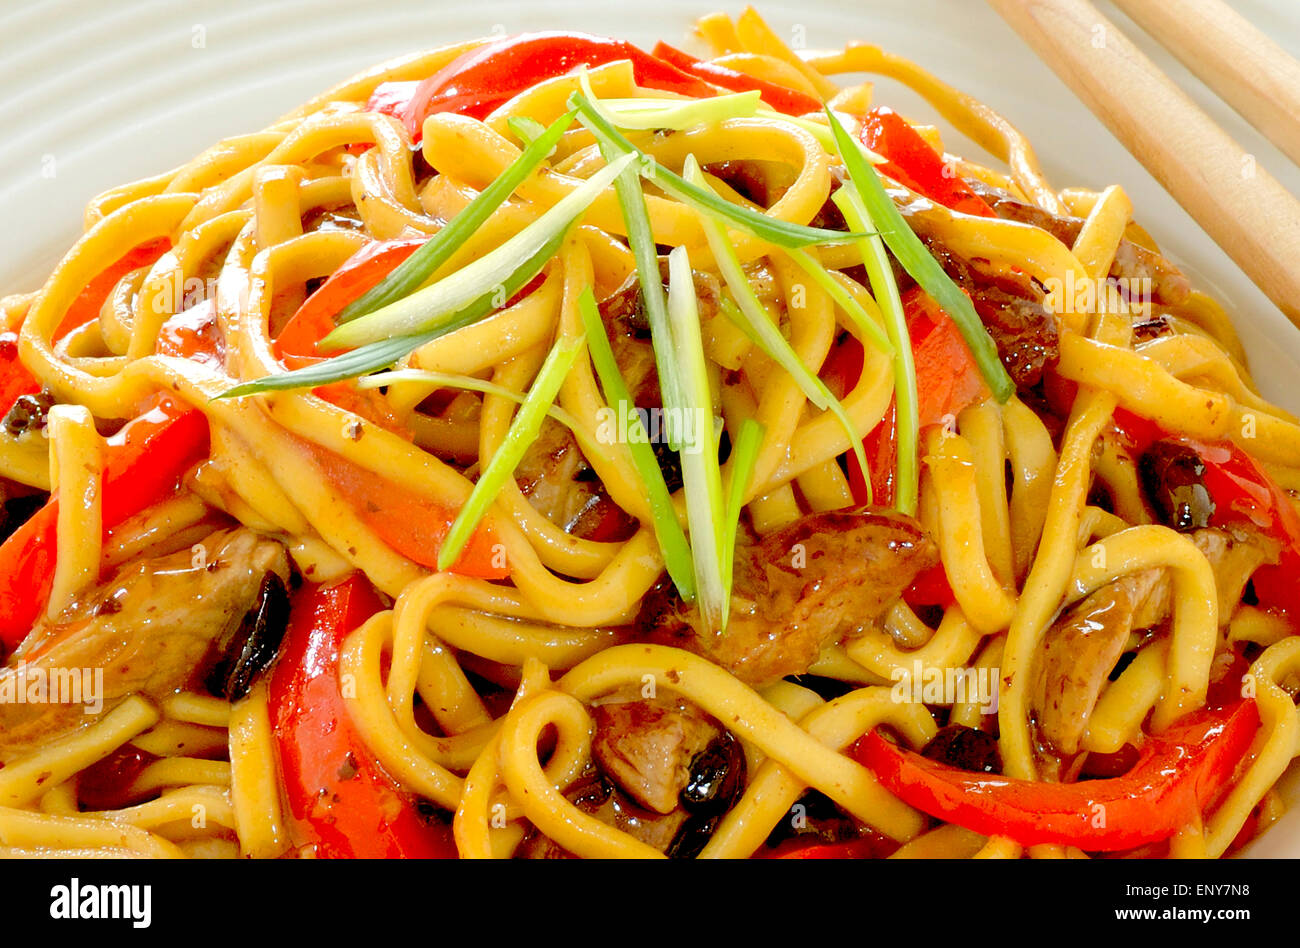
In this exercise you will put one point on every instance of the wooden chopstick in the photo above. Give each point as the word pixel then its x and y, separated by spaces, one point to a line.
pixel 1225 51
pixel 1239 204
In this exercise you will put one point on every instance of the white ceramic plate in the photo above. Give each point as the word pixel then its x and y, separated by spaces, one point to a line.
pixel 94 93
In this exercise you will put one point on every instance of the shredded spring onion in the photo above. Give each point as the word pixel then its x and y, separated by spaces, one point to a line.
pixel 380 355
pixel 432 306
pixel 773 230
pixel 645 252
pixel 843 299
pixel 752 316
pixel 906 400
pixel 668 530
pixel 744 457
pixel 678 114
pixel 528 130
pixel 419 268
pixel 701 474
pixel 883 217
pixel 523 432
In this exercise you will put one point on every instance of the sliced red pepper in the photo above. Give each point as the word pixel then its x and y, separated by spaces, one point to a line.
pixel 143 463
pixel 15 378
pixel 411 524
pixel 1244 496
pixel 779 97
pixel 295 346
pixel 341 802
pixel 91 299
pixel 947 378
pixel 194 334
pixel 947 381
pixel 1178 775
pixel 478 81
pixel 392 98
pixel 931 588
pixel 912 162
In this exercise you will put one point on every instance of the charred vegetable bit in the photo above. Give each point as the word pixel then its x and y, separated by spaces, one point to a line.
pixel 28 413
pixel 965 748
pixel 1174 477
pixel 17 511
pixel 250 647
pixel 717 775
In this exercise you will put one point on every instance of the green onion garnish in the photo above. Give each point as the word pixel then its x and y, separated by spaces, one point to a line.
pixel 413 272
pixel 672 541
pixel 843 298
pixel 883 216
pixel 523 432
pixel 701 475
pixel 380 355
pixel 818 130
pixel 526 129
pixel 646 254
pixel 906 400
pixel 427 309
pixel 678 114
pixel 775 231
pixel 469 383
pixel 752 316
pixel 744 456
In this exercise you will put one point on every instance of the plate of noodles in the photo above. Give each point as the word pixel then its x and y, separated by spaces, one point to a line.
pixel 575 439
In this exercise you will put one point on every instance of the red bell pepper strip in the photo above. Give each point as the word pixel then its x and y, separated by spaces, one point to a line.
pixel 478 81
pixel 412 525
pixel 143 463
pixel 947 381
pixel 392 98
pixel 912 162
pixel 1178 775
pixel 15 379
pixel 295 346
pixel 91 299
pixel 1244 496
pixel 341 802
pixel 931 588
pixel 779 97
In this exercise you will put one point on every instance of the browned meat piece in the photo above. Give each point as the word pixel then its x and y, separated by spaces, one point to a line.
pixel 797 591
pixel 154 627
pixel 1081 649
pixel 1076 657
pixel 1234 556
pixel 1012 309
pixel 561 485
pixel 1132 262
pixel 646 747
pixel 1024 331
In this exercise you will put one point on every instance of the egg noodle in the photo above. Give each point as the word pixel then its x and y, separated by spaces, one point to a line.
pixel 1013 506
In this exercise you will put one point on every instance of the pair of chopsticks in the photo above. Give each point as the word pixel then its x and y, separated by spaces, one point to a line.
pixel 1239 204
